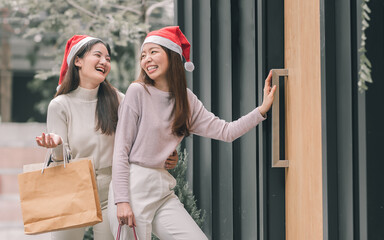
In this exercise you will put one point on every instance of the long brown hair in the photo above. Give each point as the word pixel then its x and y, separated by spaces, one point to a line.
pixel 107 103
pixel 177 83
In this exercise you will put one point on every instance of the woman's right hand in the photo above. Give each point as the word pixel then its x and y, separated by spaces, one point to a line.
pixel 125 214
pixel 49 140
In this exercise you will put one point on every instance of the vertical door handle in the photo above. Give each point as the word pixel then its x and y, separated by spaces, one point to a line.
pixel 278 120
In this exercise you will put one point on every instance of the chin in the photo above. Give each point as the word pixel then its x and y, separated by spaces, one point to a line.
pixel 153 77
pixel 101 78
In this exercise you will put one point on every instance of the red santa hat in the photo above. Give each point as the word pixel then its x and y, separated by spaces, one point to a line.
pixel 173 39
pixel 73 45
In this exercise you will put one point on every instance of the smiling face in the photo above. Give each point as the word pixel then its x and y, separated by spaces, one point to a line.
pixel 94 66
pixel 154 61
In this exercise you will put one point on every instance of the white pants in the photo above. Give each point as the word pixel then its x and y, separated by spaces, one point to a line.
pixel 101 231
pixel 156 208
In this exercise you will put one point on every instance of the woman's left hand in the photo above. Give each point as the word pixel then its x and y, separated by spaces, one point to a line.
pixel 172 161
pixel 269 93
pixel 49 140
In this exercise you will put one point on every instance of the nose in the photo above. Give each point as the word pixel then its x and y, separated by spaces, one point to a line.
pixel 147 59
pixel 103 60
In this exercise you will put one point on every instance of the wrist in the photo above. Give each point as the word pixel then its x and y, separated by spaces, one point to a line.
pixel 60 141
pixel 262 111
pixel 122 203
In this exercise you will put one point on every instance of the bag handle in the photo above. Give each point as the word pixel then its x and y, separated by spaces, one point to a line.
pixel 66 157
pixel 119 230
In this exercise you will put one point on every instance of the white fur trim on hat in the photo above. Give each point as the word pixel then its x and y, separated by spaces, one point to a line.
pixel 165 42
pixel 76 48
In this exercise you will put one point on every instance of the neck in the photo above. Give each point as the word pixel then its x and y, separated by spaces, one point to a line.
pixel 85 93
pixel 88 85
pixel 162 85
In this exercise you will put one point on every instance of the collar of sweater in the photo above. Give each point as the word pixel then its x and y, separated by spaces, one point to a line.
pixel 85 94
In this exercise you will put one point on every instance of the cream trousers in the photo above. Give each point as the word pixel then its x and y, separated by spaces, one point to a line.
pixel 156 208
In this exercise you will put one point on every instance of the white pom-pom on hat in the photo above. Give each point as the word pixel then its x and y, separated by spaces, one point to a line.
pixel 173 39
pixel 189 66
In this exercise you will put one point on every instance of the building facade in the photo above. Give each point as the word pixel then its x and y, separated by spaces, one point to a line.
pixel 329 131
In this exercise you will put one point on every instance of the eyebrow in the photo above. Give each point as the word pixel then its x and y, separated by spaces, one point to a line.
pixel 97 51
pixel 156 47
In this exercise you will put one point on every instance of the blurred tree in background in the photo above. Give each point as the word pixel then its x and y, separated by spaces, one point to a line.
pixel 121 23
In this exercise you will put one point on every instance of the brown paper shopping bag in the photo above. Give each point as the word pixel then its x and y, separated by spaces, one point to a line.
pixel 59 197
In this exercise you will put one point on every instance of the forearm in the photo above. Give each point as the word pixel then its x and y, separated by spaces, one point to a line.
pixel 58 125
pixel 212 127
pixel 124 138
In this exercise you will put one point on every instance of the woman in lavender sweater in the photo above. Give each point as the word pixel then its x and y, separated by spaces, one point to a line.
pixel 157 113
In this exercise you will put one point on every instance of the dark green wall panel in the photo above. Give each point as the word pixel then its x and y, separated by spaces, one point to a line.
pixel 233 182
pixel 221 105
pixel 244 87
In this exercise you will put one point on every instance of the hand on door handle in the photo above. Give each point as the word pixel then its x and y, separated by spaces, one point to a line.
pixel 268 97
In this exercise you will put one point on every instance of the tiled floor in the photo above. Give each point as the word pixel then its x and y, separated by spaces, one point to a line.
pixel 17 147
pixel 11 224
pixel 16 232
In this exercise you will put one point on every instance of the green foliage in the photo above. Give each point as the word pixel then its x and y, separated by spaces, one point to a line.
pixel 183 191
pixel 365 64
pixel 121 23
pixel 88 233
pixel 45 82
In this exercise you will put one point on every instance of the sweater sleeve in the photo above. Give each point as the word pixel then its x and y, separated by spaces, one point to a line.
pixel 126 131
pixel 206 124
pixel 57 122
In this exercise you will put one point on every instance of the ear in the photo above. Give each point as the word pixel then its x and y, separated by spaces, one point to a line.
pixel 78 62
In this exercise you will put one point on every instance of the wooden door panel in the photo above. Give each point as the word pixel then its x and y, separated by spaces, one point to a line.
pixel 303 121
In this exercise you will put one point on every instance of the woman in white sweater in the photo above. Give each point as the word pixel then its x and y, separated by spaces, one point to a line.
pixel 157 113
pixel 83 114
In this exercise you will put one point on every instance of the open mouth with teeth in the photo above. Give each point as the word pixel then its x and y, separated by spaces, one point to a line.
pixel 100 70
pixel 151 68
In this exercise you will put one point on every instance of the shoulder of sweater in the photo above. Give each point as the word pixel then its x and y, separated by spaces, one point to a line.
pixel 58 105
pixel 136 89
pixel 191 96
pixel 58 101
pixel 190 93
pixel 136 86
pixel 134 94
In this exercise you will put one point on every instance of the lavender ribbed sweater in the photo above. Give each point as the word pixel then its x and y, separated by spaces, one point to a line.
pixel 144 137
